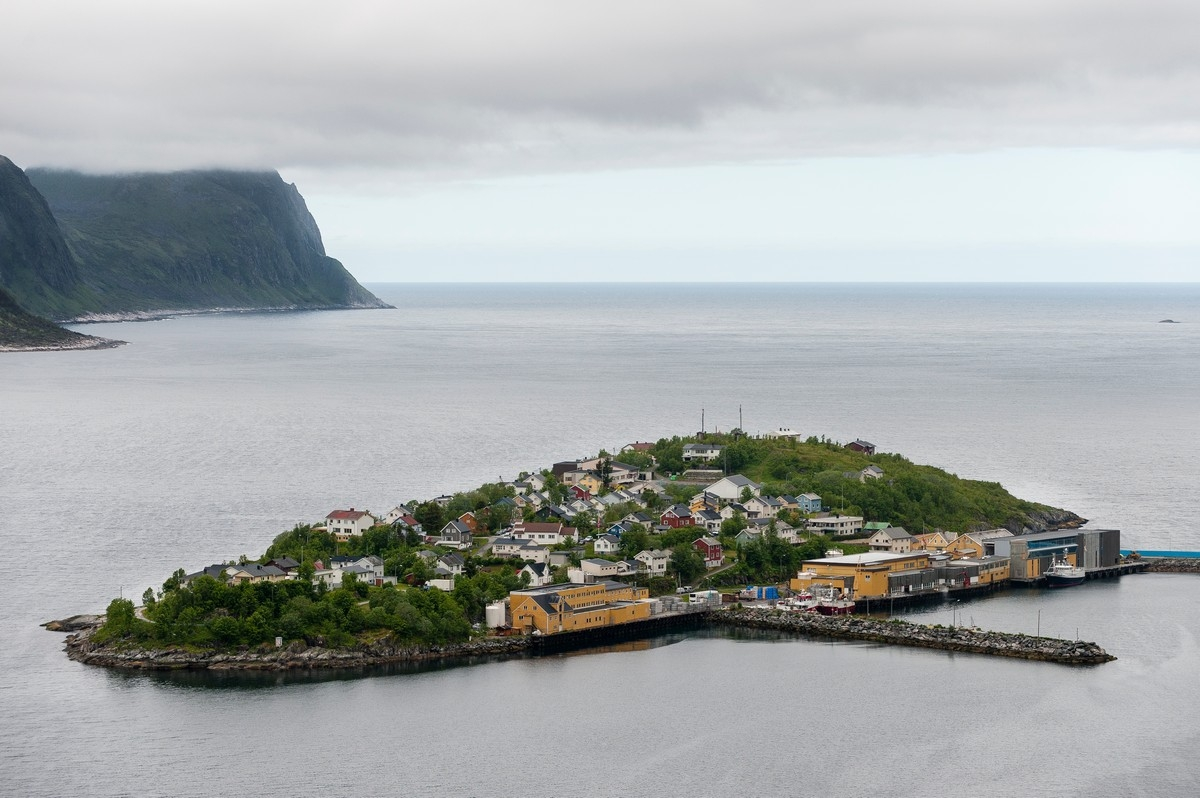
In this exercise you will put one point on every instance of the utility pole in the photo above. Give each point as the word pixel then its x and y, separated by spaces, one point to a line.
pixel 702 421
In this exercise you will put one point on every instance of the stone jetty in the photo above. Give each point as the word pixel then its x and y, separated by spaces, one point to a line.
pixel 902 633
pixel 1172 565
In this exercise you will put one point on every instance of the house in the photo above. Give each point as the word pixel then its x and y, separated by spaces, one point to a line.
pixel 710 549
pixel 539 573
pixel 546 533
pixel 841 526
pixel 564 608
pixel 607 544
pixel 894 539
pixel 654 561
pixel 934 541
pixel 579 492
pixel 748 535
pixel 450 565
pixel 809 503
pixel 870 472
pixel 676 516
pixel 638 518
pixel 468 518
pixel 409 522
pixel 395 514
pixel 455 535
pixel 701 452
pixel 595 570
pixel 590 481
pixel 536 482
pixel 285 564
pixel 638 446
pixel 562 559
pixel 710 520
pixel 733 511
pixel 343 524
pixel 975 545
pixel 861 446
pixel 704 501
pixel 253 572
pixel 762 506
pixel 730 488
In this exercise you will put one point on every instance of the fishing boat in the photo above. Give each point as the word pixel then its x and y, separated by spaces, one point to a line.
pixel 832 602
pixel 1062 574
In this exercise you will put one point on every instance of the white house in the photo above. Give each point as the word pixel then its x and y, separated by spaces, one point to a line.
pixel 870 472
pixel 654 560
pixel 539 573
pixel 544 533
pixel 894 539
pixel 343 524
pixel 730 488
pixel 702 452
pixel 762 506
pixel 607 544
pixel 842 526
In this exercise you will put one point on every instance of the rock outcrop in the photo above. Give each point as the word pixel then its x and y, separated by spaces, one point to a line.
pixel 295 656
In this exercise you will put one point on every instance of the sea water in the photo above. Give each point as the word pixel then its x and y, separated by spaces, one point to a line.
pixel 208 435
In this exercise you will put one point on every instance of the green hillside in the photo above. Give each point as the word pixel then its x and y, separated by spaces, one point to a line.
pixel 917 497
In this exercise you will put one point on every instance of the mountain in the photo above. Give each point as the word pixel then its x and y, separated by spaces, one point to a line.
pixel 153 244
pixel 36 264
pixel 21 331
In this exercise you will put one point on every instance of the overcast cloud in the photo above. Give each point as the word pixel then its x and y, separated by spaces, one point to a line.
pixel 372 98
pixel 523 85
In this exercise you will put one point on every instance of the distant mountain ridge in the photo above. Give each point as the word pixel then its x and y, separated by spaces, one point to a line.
pixel 85 247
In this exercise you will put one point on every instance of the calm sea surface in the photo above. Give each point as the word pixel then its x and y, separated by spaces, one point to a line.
pixel 207 436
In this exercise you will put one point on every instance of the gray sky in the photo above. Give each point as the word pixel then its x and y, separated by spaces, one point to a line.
pixel 1054 139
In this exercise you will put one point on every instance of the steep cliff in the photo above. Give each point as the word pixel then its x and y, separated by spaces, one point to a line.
pixel 184 241
pixel 36 265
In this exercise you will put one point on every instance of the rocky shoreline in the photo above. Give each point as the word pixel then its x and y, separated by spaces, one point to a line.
pixel 295 656
pixel 901 633
pixel 298 655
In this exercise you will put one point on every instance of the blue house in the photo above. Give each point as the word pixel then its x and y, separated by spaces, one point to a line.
pixel 809 502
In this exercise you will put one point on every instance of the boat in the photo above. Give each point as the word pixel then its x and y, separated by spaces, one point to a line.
pixel 832 602
pixel 1062 574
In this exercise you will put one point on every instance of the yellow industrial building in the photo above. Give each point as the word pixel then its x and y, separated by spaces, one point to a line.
pixel 566 608
pixel 858 575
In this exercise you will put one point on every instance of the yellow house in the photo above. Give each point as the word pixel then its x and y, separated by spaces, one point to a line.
pixel 591 482
pixel 933 541
pixel 857 575
pixel 567 608
pixel 976 544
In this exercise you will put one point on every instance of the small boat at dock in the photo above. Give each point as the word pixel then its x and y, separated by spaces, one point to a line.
pixel 1062 574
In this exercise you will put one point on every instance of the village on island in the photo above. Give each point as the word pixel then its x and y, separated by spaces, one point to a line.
pixel 644 540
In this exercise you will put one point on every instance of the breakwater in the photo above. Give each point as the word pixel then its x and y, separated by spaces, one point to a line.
pixel 902 633
pixel 1171 565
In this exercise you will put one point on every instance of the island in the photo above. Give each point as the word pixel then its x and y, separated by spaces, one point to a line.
pixel 775 531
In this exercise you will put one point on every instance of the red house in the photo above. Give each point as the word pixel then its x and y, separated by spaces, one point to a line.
pixel 710 549
pixel 865 447
pixel 579 492
pixel 676 516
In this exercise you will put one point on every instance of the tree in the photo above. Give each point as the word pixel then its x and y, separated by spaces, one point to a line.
pixel 430 516
pixel 635 539
pixel 687 562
